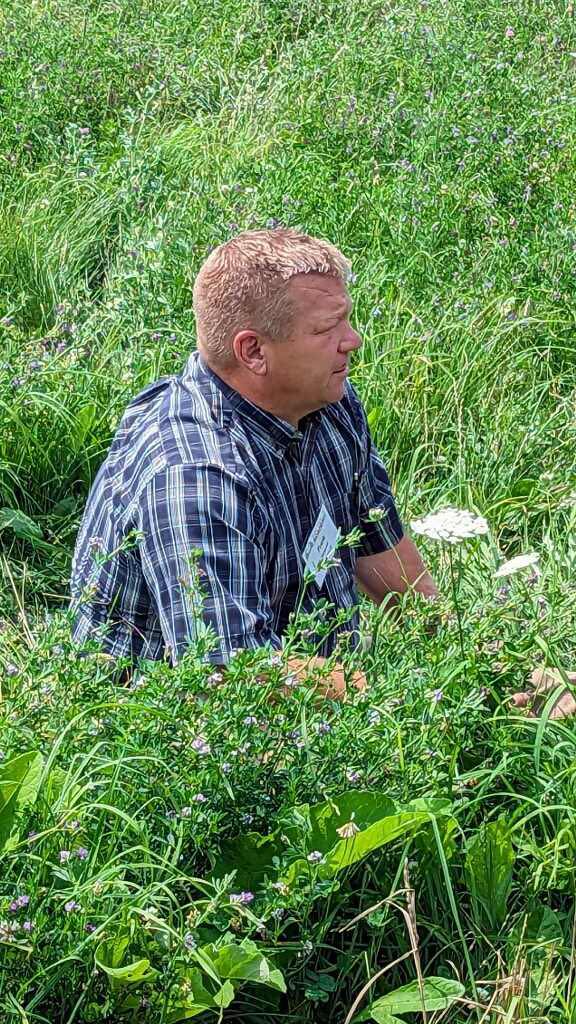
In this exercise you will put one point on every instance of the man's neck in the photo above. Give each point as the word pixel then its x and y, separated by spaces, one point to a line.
pixel 245 387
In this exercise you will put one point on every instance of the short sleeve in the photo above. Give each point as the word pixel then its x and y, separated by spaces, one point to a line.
pixel 384 529
pixel 186 508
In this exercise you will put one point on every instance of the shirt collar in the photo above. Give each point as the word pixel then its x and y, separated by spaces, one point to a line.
pixel 225 400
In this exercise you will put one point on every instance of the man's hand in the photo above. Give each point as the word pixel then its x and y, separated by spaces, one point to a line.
pixel 334 686
pixel 394 571
pixel 542 682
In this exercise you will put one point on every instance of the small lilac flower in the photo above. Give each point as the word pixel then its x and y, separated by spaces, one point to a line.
pixel 82 853
pixel 11 669
pixel 83 131
pixel 16 382
pixel 509 33
pixel 226 767
pixel 352 776
pixel 28 926
pixel 23 900
pixel 73 825
pixel 438 695
pixel 199 798
pixel 323 728
pixel 189 941
pixel 88 927
pixel 250 720
pixel 315 857
pixel 64 856
pixel 200 745
pixel 72 906
pixel 32 834
pixel 241 897
pixel 14 906
pixel 374 716
pixel 186 812
pixel 246 819
pixel 376 311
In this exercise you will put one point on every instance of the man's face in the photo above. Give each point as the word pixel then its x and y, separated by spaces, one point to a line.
pixel 309 370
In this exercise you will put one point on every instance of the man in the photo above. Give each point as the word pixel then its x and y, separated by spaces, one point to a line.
pixel 257 455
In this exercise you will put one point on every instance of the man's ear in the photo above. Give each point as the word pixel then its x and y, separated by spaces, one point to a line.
pixel 250 351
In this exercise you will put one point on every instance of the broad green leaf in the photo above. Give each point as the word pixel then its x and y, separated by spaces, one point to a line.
pixel 245 962
pixel 108 957
pixel 24 528
pixel 20 524
pixel 83 423
pixel 317 824
pixel 381 1016
pixel 250 856
pixel 19 783
pixel 489 862
pixel 436 994
pixel 349 851
pixel 225 995
pixel 198 998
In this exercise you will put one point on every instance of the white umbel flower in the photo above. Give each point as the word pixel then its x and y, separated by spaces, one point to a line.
pixel 514 565
pixel 452 525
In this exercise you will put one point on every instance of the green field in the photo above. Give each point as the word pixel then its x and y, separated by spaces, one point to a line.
pixel 170 850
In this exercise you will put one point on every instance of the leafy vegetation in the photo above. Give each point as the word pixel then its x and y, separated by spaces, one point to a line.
pixel 191 847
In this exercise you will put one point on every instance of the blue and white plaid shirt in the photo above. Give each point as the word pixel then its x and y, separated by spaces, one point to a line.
pixel 194 465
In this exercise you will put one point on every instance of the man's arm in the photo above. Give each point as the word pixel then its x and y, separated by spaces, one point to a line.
pixel 203 507
pixel 394 571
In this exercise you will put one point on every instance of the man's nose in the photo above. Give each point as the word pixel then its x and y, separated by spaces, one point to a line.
pixel 352 341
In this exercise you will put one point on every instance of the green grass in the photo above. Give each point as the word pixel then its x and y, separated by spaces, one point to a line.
pixel 437 150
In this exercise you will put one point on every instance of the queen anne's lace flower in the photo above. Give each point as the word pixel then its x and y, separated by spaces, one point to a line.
pixel 452 525
pixel 514 565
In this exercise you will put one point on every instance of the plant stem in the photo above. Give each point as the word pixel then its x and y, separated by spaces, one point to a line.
pixel 456 605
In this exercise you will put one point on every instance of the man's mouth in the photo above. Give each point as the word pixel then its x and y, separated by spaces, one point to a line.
pixel 343 369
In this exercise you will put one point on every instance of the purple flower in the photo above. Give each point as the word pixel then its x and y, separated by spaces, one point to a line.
pixel 352 776
pixel 438 695
pixel 83 131
pixel 250 720
pixel 71 906
pixel 64 856
pixel 82 853
pixel 14 906
pixel 199 798
pixel 189 941
pixel 23 900
pixel 241 897
pixel 200 745
pixel 323 727
pixel 88 927
pixel 28 926
pixel 315 857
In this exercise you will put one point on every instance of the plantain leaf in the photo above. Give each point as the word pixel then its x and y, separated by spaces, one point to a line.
pixel 489 862
pixel 435 994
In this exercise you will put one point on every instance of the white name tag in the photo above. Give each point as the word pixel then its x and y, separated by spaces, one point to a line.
pixel 321 544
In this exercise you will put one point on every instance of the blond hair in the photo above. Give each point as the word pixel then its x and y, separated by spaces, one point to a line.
pixel 243 284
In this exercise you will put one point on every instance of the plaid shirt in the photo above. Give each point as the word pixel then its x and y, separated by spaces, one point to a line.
pixel 194 465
